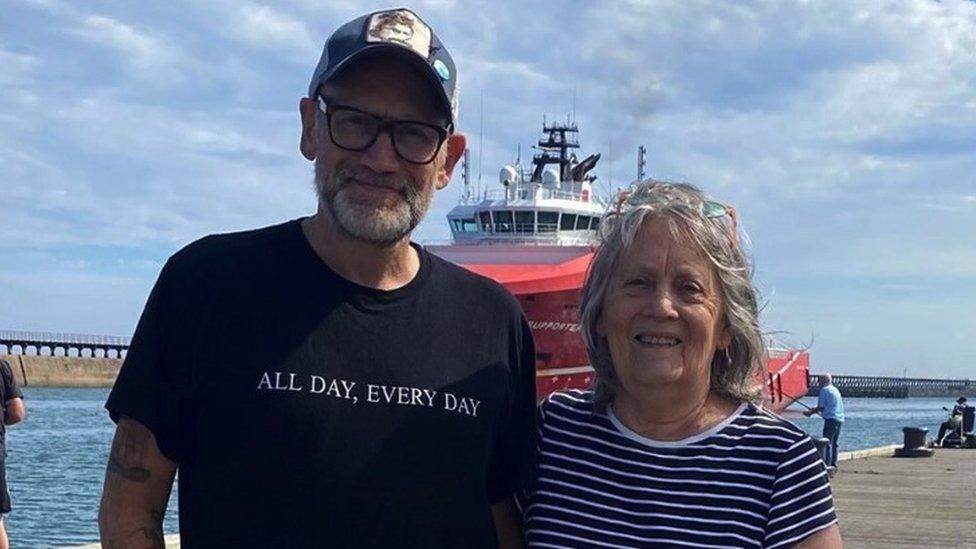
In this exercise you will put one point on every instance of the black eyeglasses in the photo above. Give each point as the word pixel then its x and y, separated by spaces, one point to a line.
pixel 354 130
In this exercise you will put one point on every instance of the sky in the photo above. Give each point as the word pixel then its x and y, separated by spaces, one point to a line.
pixel 844 133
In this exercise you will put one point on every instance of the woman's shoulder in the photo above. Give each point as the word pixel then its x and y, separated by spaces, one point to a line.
pixel 762 425
pixel 572 401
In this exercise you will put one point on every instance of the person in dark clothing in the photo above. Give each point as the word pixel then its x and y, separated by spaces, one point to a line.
pixel 327 375
pixel 14 411
pixel 955 418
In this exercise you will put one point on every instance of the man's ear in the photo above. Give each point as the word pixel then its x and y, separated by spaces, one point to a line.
pixel 307 109
pixel 456 143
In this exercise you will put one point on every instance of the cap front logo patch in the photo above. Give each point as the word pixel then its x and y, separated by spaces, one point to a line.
pixel 401 27
pixel 442 70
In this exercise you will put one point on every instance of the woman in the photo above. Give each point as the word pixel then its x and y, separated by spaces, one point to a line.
pixel 671 447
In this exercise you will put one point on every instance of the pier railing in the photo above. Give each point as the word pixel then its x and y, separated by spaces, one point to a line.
pixel 39 343
pixel 895 387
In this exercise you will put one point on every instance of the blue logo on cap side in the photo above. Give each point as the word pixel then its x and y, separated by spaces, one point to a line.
pixel 442 70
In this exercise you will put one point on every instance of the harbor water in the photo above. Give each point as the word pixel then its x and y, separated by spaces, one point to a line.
pixel 55 467
pixel 57 457
pixel 872 422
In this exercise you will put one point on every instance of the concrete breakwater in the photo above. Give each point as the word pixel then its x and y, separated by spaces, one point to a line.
pixel 895 387
pixel 63 371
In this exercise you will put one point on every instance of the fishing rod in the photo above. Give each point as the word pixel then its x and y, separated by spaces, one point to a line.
pixel 796 400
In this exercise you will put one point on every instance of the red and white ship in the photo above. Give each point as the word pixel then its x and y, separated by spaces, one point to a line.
pixel 536 236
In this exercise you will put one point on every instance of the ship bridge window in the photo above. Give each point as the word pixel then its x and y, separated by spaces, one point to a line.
pixel 567 222
pixel 485 218
pixel 548 222
pixel 468 225
pixel 525 222
pixel 595 224
pixel 503 221
pixel 464 225
pixel 582 222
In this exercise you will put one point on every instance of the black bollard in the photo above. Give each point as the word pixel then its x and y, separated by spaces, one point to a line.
pixel 914 443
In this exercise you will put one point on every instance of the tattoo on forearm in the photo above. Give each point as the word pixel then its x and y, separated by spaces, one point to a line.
pixel 127 458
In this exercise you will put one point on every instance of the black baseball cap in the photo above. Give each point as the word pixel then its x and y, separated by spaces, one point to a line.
pixel 397 32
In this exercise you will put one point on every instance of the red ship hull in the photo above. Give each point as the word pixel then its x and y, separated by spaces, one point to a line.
pixel 546 281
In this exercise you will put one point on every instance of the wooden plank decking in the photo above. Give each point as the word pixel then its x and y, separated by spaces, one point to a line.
pixel 895 502
pixel 908 502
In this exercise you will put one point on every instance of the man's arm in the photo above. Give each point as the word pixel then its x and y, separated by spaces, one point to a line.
pixel 138 481
pixel 828 538
pixel 15 411
pixel 508 527
pixel 812 411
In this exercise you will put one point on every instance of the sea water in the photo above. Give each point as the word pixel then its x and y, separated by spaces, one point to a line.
pixel 55 467
pixel 57 457
pixel 871 422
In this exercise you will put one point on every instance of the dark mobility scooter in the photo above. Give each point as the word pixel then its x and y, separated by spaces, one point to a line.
pixel 959 431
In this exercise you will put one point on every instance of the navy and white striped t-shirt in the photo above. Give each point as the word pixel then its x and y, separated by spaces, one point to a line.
pixel 754 480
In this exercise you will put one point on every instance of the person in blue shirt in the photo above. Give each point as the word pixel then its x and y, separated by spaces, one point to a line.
pixel 831 408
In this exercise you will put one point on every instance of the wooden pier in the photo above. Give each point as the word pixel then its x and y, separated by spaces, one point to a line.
pixel 884 501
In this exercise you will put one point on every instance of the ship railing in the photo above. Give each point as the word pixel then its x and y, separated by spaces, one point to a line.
pixel 496 239
pixel 563 195
pixel 527 193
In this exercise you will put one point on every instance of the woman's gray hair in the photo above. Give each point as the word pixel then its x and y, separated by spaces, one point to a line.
pixel 710 225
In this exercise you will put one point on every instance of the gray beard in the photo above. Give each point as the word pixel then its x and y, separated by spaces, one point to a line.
pixel 380 225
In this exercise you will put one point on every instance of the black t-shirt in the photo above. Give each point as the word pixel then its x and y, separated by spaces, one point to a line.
pixel 305 410
pixel 8 390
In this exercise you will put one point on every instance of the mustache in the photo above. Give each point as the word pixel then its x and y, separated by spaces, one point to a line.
pixel 345 176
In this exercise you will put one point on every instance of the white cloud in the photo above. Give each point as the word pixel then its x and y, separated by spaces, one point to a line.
pixel 106 125
pixel 843 132
pixel 30 300
pixel 902 287
pixel 263 27
pixel 437 5
pixel 151 55
pixel 164 175
pixel 55 7
pixel 353 7
pixel 18 68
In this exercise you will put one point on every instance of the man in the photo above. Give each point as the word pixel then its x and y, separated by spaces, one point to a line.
pixel 325 382
pixel 831 408
pixel 955 418
pixel 12 400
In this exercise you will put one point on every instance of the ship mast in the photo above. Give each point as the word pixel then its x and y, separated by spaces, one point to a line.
pixel 641 162
pixel 466 177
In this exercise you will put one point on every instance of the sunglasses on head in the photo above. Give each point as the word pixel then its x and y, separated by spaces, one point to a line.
pixel 709 208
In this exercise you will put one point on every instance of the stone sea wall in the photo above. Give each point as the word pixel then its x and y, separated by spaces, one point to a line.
pixel 62 371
